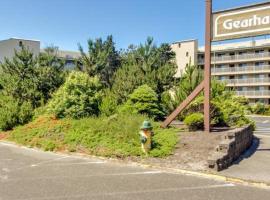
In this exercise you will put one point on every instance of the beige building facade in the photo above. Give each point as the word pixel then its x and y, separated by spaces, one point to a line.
pixel 186 52
pixel 8 47
pixel 243 66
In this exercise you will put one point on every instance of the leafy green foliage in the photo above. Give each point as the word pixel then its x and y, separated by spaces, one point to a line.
pixel 31 79
pixel 144 100
pixel 145 64
pixel 26 83
pixel 163 142
pixel 19 77
pixel 192 77
pixel 102 60
pixel 260 109
pixel 78 97
pixel 108 104
pixel 226 108
pixel 13 113
pixel 51 74
pixel 115 136
pixel 194 121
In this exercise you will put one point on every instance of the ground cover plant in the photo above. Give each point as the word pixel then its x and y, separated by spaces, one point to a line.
pixel 115 136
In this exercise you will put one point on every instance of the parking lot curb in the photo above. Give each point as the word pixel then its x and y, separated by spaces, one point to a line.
pixel 213 176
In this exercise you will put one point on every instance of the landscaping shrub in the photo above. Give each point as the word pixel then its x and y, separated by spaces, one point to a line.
pixel 226 109
pixel 143 100
pixel 101 60
pixel 259 108
pixel 194 121
pixel 28 78
pixel 145 64
pixel 192 77
pixel 13 113
pixel 114 136
pixel 108 104
pixel 78 97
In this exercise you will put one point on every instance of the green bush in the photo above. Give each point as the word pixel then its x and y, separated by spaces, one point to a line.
pixel 13 113
pixel 259 108
pixel 194 121
pixel 78 97
pixel 143 100
pixel 145 64
pixel 226 109
pixel 114 136
pixel 108 104
pixel 28 78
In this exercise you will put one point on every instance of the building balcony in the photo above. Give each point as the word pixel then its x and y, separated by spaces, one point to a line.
pixel 237 58
pixel 254 94
pixel 241 70
pixel 248 82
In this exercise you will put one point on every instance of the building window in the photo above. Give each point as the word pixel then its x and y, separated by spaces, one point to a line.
pixel 242 52
pixel 220 54
pixel 242 64
pixel 259 51
pixel 240 88
pixel 20 43
pixel 186 54
pixel 259 63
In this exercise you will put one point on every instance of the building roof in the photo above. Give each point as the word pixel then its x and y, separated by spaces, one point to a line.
pixel 238 45
pixel 23 39
pixel 182 41
pixel 67 54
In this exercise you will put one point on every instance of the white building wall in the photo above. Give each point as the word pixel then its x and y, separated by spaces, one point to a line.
pixel 8 47
pixel 186 51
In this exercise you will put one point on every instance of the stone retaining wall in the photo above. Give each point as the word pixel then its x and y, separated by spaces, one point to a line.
pixel 235 142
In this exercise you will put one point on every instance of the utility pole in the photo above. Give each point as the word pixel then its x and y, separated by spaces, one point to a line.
pixel 207 64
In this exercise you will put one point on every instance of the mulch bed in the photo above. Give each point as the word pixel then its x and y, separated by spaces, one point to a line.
pixel 192 151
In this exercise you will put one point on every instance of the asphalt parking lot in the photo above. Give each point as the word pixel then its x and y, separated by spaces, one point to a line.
pixel 27 174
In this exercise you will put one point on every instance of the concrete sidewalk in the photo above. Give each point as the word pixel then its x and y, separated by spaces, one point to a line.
pixel 254 165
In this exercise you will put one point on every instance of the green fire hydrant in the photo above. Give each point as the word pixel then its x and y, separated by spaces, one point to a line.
pixel 146 134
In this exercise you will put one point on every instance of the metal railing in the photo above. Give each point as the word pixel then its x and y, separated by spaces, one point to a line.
pixel 237 57
pixel 253 93
pixel 241 69
pixel 247 80
pixel 241 57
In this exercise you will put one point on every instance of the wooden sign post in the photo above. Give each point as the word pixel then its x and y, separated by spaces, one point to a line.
pixel 207 65
pixel 206 83
pixel 247 21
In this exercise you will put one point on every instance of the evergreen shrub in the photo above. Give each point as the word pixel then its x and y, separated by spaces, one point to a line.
pixel 78 97
pixel 194 121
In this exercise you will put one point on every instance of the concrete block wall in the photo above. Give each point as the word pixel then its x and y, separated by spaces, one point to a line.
pixel 234 143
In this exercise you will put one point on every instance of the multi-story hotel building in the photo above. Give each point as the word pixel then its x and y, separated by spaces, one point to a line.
pixel 244 66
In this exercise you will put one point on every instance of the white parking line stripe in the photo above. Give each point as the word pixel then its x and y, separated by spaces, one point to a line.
pixel 48 161
pixel 88 176
pixel 77 163
pixel 39 163
pixel 176 189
